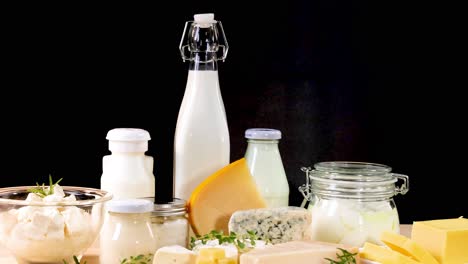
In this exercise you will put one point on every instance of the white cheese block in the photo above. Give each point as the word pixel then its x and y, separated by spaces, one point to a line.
pixel 274 225
pixel 297 252
pixel 174 255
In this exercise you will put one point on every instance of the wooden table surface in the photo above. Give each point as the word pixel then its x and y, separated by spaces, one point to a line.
pixel 92 254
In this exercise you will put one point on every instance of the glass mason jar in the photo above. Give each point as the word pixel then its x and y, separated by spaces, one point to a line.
pixel 170 224
pixel 127 236
pixel 352 202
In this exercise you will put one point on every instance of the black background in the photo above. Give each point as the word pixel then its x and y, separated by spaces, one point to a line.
pixel 343 80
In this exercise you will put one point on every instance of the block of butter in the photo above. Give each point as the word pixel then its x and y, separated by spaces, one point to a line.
pixel 445 239
pixel 297 252
pixel 274 225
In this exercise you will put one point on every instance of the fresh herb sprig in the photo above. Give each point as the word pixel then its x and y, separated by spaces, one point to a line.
pixel 43 190
pixel 240 241
pixel 345 257
pixel 139 259
pixel 75 259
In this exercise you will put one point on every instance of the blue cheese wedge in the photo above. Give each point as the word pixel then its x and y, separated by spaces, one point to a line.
pixel 274 225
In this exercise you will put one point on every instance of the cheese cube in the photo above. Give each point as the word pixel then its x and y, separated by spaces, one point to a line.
pixel 213 256
pixel 445 239
pixel 174 255
pixel 227 261
pixel 211 253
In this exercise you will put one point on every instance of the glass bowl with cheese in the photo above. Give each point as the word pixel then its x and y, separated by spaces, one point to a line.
pixel 50 224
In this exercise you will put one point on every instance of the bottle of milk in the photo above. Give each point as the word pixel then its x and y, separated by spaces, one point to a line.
pixel 201 142
pixel 266 166
pixel 128 172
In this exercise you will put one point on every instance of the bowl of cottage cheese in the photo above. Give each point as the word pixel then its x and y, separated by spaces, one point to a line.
pixel 50 224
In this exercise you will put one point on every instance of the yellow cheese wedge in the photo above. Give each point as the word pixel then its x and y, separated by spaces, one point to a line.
pixel 230 189
pixel 445 239
pixel 407 247
pixel 384 255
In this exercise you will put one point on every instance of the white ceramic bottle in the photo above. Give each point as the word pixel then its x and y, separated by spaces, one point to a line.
pixel 128 172
pixel 201 141
pixel 266 166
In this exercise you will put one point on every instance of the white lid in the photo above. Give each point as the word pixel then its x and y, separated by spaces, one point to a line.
pixel 204 18
pixel 130 206
pixel 262 133
pixel 128 139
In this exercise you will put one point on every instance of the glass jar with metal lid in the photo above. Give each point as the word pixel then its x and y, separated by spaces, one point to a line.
pixel 352 202
pixel 170 224
pixel 127 232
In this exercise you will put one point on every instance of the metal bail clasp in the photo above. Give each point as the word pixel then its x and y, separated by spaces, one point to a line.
pixel 404 188
pixel 220 45
pixel 306 188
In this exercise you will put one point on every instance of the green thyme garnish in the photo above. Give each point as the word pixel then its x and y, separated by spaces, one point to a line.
pixel 345 257
pixel 75 259
pixel 43 190
pixel 240 241
pixel 139 259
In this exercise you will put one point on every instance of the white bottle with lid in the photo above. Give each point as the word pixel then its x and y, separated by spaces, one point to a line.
pixel 128 172
pixel 266 166
pixel 201 142
pixel 127 232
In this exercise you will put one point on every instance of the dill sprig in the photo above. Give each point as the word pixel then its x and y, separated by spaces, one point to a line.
pixel 43 190
pixel 345 257
pixel 240 241
pixel 139 259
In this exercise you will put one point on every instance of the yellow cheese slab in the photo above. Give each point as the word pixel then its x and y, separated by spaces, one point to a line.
pixel 445 239
pixel 230 189
pixel 407 247
pixel 384 255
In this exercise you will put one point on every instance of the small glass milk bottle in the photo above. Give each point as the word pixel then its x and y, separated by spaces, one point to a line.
pixel 127 234
pixel 352 202
pixel 266 166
